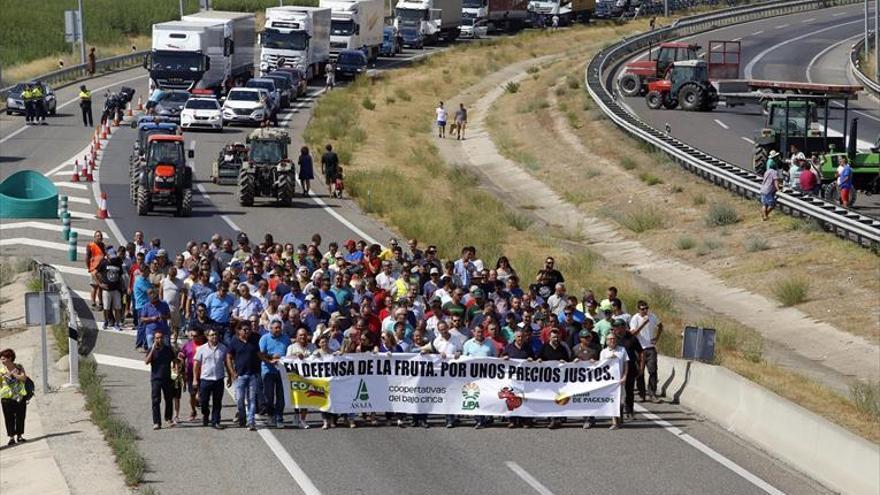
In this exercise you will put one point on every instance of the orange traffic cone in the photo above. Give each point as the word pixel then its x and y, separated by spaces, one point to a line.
pixel 75 176
pixel 104 132
pixel 140 104
pixel 89 161
pixel 116 121
pixel 128 112
pixel 86 173
pixel 102 207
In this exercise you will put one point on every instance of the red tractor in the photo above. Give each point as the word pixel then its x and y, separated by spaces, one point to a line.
pixel 687 85
pixel 636 75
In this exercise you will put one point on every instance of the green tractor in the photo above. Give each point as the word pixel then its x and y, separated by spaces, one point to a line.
pixel 865 166
pixel 792 121
pixel 267 172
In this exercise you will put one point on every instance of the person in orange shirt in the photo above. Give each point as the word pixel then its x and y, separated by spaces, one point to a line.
pixel 94 255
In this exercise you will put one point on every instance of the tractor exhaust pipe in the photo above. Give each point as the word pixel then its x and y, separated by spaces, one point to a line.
pixel 851 147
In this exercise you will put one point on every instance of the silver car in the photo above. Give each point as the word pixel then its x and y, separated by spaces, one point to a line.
pixel 15 103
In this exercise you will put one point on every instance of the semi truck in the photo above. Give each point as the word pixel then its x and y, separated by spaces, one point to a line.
pixel 541 12
pixel 297 37
pixel 208 50
pixel 500 15
pixel 429 20
pixel 356 25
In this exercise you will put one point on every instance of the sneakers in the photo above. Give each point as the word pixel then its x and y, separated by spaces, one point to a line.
pixel 271 424
pixel 106 325
pixel 588 424
pixel 450 425
pixel 217 426
pixel 303 425
pixel 252 427
pixel 157 426
pixel 479 425
pixel 614 426
pixel 400 423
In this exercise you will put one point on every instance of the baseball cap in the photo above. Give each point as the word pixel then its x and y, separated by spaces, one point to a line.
pixel 618 322
pixel 584 333
pixel 349 243
pixel 393 241
pixel 161 252
pixel 339 256
pixel 477 292
pixel 434 270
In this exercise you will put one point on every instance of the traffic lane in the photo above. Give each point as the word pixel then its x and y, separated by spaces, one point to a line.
pixel 190 457
pixel 44 147
pixel 172 230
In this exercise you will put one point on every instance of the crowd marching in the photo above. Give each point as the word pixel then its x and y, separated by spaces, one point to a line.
pixel 225 311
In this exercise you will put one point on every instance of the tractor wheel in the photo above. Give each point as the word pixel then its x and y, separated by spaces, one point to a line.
pixel 630 85
pixel 143 201
pixel 186 203
pixel 691 97
pixel 654 100
pixel 670 103
pixel 285 189
pixel 246 190
pixel 759 162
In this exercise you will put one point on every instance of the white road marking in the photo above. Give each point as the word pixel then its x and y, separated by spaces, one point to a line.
pixel 295 471
pixel 711 453
pixel 72 185
pixel 230 223
pixel 838 14
pixel 863 114
pixel 528 478
pixel 52 227
pixel 823 52
pixel 747 140
pixel 342 219
pixel 747 73
pixel 72 270
pixel 81 215
pixel 24 241
pixel 202 190
pixel 736 39
pixel 722 124
pixel 74 100
pixel 782 26
pixel 807 21
pixel 756 33
pixel 82 201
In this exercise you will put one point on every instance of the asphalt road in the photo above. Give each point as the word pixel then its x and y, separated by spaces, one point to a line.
pixel 807 47
pixel 643 457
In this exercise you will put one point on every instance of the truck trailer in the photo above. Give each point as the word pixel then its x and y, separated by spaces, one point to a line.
pixel 428 20
pixel 356 25
pixel 297 37
pixel 500 15
pixel 541 12
pixel 202 51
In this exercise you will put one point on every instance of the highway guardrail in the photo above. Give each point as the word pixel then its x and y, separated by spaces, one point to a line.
pixel 599 74
pixel 855 61
pixel 54 282
pixel 79 72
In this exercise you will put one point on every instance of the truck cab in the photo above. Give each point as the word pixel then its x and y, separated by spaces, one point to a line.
pixel 178 59
pixel 637 74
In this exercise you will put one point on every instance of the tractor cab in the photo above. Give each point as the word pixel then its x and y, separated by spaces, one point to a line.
pixel 800 118
pixel 147 129
pixel 267 171
pixel 687 85
pixel 267 146
pixel 163 179
pixel 636 75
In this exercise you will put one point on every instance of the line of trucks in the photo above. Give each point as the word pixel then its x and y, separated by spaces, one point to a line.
pixel 215 49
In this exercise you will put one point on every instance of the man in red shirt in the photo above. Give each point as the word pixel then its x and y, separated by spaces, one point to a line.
pixel 808 181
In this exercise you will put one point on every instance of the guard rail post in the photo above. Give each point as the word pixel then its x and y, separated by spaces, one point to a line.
pixel 855 64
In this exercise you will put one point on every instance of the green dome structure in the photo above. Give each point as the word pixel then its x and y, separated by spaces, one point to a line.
pixel 28 194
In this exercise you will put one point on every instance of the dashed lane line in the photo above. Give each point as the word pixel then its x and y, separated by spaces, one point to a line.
pixel 756 33
pixel 230 223
pixel 82 201
pixel 72 185
pixel 722 124
pixel 52 227
pixel 25 241
pixel 782 26
pixel 528 478
pixel 807 21
pixel 747 73
pixel 750 141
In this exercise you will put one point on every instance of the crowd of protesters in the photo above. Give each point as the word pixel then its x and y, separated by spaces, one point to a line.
pixel 244 305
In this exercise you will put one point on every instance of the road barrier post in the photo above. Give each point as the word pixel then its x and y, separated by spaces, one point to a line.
pixel 62 207
pixel 71 247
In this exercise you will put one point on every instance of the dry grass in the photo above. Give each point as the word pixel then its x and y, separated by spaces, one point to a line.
pixel 703 212
pixel 868 66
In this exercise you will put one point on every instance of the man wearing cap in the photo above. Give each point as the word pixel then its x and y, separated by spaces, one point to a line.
pixel 648 328
pixel 770 184
pixel 354 255
pixel 111 281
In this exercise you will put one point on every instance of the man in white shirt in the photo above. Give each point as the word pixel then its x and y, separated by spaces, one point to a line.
pixel 445 343
pixel 618 354
pixel 385 280
pixel 647 328
pixel 441 120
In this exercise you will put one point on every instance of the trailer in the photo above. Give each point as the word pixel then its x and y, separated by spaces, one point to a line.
pixel 356 25
pixel 499 15
pixel 424 22
pixel 240 39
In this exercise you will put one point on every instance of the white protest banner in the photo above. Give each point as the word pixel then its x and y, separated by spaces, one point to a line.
pixel 429 384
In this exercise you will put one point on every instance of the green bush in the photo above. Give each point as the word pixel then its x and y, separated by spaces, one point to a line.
pixel 402 94
pixel 721 214
pixel 792 290
pixel 866 397
pixel 650 179
pixel 628 163
pixel 699 199
pixel 368 103
pixel 642 219
pixel 533 69
pixel 757 244
pixel 517 220
pixel 685 242
pixel 511 87
pixel 572 82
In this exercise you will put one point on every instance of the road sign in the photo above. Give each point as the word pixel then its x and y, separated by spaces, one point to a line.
pixel 34 313
pixel 72 31
pixel 698 344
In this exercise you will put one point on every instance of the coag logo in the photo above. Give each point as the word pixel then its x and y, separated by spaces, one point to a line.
pixel 511 397
pixel 471 394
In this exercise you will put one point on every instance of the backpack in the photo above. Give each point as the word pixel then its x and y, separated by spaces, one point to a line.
pixel 29 389
pixel 113 274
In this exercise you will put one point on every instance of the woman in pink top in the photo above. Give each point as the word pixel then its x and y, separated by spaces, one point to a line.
pixel 186 354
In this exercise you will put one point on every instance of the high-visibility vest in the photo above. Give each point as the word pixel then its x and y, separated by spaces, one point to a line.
pixel 26 95
pixel 10 388
pixel 85 96
pixel 36 93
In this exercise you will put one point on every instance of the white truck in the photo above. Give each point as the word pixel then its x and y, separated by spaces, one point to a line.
pixel 297 37
pixel 423 22
pixel 500 15
pixel 355 25
pixel 208 50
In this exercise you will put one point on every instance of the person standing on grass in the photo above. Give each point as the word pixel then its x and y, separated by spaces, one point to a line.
pixel 770 184
pixel 90 62
pixel 209 370
pixel 648 328
pixel 441 120
pixel 330 73
pixel 461 120
pixel 94 255
pixel 160 359
pixel 617 354
pixel 13 393
pixel 306 170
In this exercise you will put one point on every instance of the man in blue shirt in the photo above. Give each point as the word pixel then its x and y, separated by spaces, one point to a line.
pixel 342 292
pixel 244 360
pixel 354 255
pixel 220 306
pixel 274 345
pixel 199 293
pixel 139 292
pixel 154 317
pixel 296 297
pixel 478 346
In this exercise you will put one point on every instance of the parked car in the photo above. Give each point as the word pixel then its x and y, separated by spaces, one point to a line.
pixel 271 88
pixel 15 104
pixel 202 112
pixel 285 87
pixel 391 44
pixel 171 103
pixel 412 38
pixel 472 27
pixel 245 105
pixel 299 79
pixel 350 63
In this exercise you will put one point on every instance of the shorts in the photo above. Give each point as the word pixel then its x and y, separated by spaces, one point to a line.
pixel 177 388
pixel 845 195
pixel 174 321
pixel 768 199
pixel 112 299
pixel 94 281
pixel 441 123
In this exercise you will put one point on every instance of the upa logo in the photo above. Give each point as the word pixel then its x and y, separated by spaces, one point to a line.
pixel 562 399
pixel 471 393
pixel 362 397
pixel 511 397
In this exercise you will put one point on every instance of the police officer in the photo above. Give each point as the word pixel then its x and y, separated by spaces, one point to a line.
pixel 85 104
pixel 28 97
pixel 39 104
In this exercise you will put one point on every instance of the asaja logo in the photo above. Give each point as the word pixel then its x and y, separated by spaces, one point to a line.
pixel 362 393
pixel 471 393
pixel 511 397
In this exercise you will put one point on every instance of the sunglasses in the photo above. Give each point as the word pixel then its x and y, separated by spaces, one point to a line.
pixel 643 308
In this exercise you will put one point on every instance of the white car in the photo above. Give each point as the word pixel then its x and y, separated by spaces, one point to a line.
pixel 245 105
pixel 473 28
pixel 202 113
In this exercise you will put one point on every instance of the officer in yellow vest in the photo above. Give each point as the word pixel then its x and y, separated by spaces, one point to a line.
pixel 28 98
pixel 85 104
pixel 39 104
